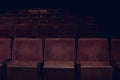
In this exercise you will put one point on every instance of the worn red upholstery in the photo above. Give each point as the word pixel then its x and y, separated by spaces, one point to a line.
pixel 92 49
pixel 59 49
pixel 59 59
pixel 29 49
pixel 27 54
pixel 93 56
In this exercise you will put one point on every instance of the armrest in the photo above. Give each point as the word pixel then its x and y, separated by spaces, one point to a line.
pixel 4 62
pixel 40 64
pixel 0 65
pixel 8 60
pixel 114 65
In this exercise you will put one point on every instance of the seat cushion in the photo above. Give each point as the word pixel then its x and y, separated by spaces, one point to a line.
pixel 59 64
pixel 95 70
pixel 27 49
pixel 59 49
pixel 16 63
pixel 58 70
pixel 93 49
pixel 94 64
pixel 23 70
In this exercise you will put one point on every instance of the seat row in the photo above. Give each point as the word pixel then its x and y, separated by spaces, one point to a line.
pixel 34 16
pixel 35 20
pixel 36 12
pixel 59 58
pixel 50 30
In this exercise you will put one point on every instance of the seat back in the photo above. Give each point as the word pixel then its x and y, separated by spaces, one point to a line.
pixel 59 49
pixel 89 30
pixel 23 20
pixel 6 30
pixel 93 49
pixel 45 30
pixel 29 49
pixel 24 30
pixel 7 20
pixel 88 27
pixel 40 20
pixel 67 30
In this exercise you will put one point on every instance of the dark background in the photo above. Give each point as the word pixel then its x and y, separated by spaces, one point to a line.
pixel 107 13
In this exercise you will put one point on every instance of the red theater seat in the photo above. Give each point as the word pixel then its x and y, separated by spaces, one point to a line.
pixel 55 19
pixel 22 13
pixel 45 30
pixel 8 14
pixel 26 57
pixel 88 27
pixel 93 57
pixel 89 30
pixel 115 55
pixel 23 20
pixel 33 13
pixel 59 59
pixel 24 30
pixel 6 30
pixel 7 20
pixel 5 53
pixel 39 20
pixel 43 11
pixel 87 19
pixel 67 30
